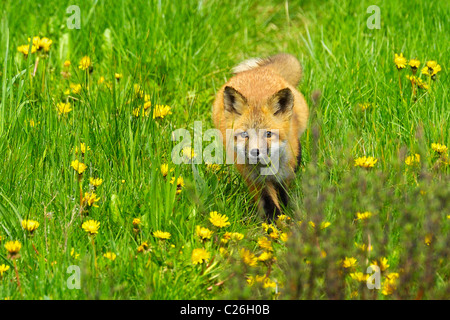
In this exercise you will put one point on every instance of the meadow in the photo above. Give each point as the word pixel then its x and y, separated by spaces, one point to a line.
pixel 92 207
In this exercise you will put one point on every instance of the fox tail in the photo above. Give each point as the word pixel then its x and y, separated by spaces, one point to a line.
pixel 285 64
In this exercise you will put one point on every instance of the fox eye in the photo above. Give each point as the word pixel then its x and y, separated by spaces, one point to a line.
pixel 268 134
pixel 244 134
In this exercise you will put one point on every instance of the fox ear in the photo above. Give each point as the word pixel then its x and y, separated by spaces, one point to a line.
pixel 233 100
pixel 282 102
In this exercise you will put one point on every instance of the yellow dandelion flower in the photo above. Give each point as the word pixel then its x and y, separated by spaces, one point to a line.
pixel 180 183
pixel 412 160
pixel 431 68
pixel 414 64
pixel 136 222
pixel 3 269
pixel 91 226
pixel 363 216
pixel 95 182
pixel 90 198
pixel 265 256
pixel 284 237
pixel 218 220
pixel 203 233
pixel 400 61
pixel 365 162
pixel 390 284
pixel 13 247
pixel 63 108
pixel 268 283
pixel 236 236
pixel 110 256
pixel 118 76
pixel 199 256
pixel 85 63
pixel 189 153
pixel 75 88
pixel 83 148
pixel 439 148
pixel 248 257
pixel 349 262
pixel 161 111
pixel 359 276
pixel 163 235
pixel 67 63
pixel 25 49
pixel 271 230
pixel 30 225
pixel 45 43
pixel 265 243
pixel 382 263
pixel 78 166
pixel 144 246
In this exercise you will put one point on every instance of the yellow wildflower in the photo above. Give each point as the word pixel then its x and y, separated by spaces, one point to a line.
pixel 78 166
pixel 412 160
pixel 161 111
pixel 13 247
pixel 90 198
pixel 400 61
pixel 265 243
pixel 439 148
pixel 414 64
pixel 203 233
pixel 163 235
pixel 199 256
pixel 91 226
pixel 136 222
pixel 67 63
pixel 432 68
pixel 349 262
pixel 365 162
pixel 363 216
pixel 25 49
pixel 110 255
pixel 382 263
pixel 45 44
pixel 30 225
pixel 85 63
pixel 95 182
pixel 248 257
pixel 269 283
pixel 3 269
pixel 73 254
pixel 143 247
pixel 118 76
pixel 359 276
pixel 265 256
pixel 63 108
pixel 75 88
pixel 218 220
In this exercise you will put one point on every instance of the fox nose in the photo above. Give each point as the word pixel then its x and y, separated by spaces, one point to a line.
pixel 254 152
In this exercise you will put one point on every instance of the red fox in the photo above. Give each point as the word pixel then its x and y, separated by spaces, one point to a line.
pixel 266 114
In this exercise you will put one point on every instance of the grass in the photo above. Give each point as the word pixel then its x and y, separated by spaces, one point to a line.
pixel 180 53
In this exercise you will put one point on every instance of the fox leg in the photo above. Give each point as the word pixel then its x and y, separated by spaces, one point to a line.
pixel 269 202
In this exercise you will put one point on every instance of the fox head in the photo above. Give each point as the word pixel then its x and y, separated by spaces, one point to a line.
pixel 260 128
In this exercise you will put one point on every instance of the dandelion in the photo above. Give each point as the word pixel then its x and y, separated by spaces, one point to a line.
pixel 67 63
pixel 284 237
pixel 85 63
pixel 165 169
pixel 265 243
pixel 359 276
pixel 160 111
pixel 218 220
pixel 144 246
pixel 136 222
pixel 203 233
pixel 431 69
pixel 412 160
pixel 63 108
pixel 439 148
pixel 390 284
pixel 236 236
pixel 79 167
pixel 90 198
pixel 83 148
pixel 13 247
pixel 35 42
pixel 101 80
pixel 414 64
pixel 271 230
pixel 189 153
pixel 161 235
pixel 349 262
pixel 91 227
pixel 199 256
pixel 118 76
pixel 30 225
pixel 421 84
pixel 382 263
pixel 269 283
pixel 400 61
pixel 428 239
pixel 364 106
pixel 248 257
pixel 363 216
pixel 110 256
pixel 95 182
pixel 365 162
pixel 265 256
pixel 25 49
pixel 180 183
pixel 3 269
pixel 45 43
pixel 75 88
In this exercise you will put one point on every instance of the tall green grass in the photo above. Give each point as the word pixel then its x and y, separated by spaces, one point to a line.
pixel 180 53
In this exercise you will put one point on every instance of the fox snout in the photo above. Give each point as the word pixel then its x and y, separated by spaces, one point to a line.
pixel 255 146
